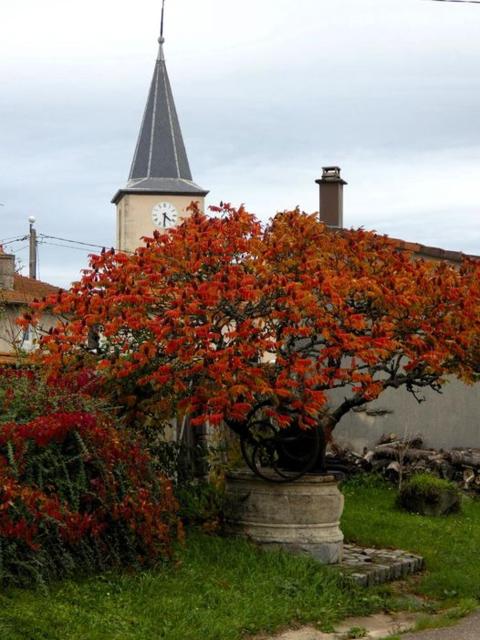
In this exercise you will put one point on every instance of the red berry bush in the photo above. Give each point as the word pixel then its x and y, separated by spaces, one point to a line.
pixel 77 494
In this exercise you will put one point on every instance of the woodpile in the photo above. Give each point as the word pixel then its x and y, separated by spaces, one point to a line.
pixel 398 458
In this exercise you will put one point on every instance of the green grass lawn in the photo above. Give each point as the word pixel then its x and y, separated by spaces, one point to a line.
pixel 220 589
pixel 225 589
pixel 449 544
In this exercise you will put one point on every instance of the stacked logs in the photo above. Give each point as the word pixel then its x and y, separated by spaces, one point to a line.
pixel 396 458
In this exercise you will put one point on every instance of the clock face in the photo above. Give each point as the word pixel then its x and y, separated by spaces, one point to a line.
pixel 164 215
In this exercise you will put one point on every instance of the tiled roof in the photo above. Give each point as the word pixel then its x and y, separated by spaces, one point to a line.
pixel 432 253
pixel 420 250
pixel 25 290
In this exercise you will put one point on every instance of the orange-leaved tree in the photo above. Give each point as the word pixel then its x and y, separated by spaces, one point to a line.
pixel 224 319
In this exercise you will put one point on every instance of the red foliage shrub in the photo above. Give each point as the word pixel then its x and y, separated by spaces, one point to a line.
pixel 78 494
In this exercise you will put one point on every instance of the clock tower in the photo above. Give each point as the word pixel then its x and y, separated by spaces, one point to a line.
pixel 160 185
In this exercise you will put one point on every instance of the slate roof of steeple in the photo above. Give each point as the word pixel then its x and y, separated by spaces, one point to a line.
pixel 160 163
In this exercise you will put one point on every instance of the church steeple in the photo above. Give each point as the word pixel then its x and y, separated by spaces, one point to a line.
pixel 160 151
pixel 160 163
pixel 160 186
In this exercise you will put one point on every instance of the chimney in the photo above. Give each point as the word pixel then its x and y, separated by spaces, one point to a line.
pixel 7 271
pixel 331 197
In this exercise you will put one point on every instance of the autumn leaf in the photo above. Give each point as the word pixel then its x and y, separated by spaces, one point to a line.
pixel 227 318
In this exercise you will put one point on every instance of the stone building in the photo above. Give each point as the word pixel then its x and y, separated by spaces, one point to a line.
pixel 16 293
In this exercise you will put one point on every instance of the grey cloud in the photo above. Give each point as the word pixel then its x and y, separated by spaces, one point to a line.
pixel 388 90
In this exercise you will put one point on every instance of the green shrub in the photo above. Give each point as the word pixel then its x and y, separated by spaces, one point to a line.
pixel 428 495
pixel 26 394
pixel 201 504
pixel 196 471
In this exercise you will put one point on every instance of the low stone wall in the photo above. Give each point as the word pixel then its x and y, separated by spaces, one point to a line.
pixel 302 517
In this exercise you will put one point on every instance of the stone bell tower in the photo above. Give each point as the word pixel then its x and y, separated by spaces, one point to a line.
pixel 160 185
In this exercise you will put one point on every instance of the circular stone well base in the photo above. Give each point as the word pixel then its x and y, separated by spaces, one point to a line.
pixel 302 516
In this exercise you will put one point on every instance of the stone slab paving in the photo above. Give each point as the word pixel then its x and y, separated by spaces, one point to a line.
pixel 376 566
pixel 381 626
pixel 377 627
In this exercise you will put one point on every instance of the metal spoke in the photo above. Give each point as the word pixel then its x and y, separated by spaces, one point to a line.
pixel 280 454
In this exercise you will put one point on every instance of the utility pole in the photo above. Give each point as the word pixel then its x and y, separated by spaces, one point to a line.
pixel 32 272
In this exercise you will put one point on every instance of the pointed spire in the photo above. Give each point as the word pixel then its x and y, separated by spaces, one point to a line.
pixel 160 162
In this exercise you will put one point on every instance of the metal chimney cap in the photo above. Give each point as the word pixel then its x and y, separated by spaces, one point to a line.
pixel 331 174
pixel 331 171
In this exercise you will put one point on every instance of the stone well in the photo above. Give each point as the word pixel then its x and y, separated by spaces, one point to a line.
pixel 301 516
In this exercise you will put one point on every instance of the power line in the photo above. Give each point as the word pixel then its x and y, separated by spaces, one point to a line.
pixel 69 246
pixel 43 238
pixel 25 246
pixel 18 239
pixel 10 238
pixel 85 244
pixel 64 246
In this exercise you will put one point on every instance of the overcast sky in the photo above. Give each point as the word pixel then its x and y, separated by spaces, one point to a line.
pixel 268 92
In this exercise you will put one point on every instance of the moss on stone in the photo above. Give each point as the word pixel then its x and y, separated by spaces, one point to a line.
pixel 431 496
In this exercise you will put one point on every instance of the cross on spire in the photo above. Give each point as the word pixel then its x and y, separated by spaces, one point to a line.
pixel 162 39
